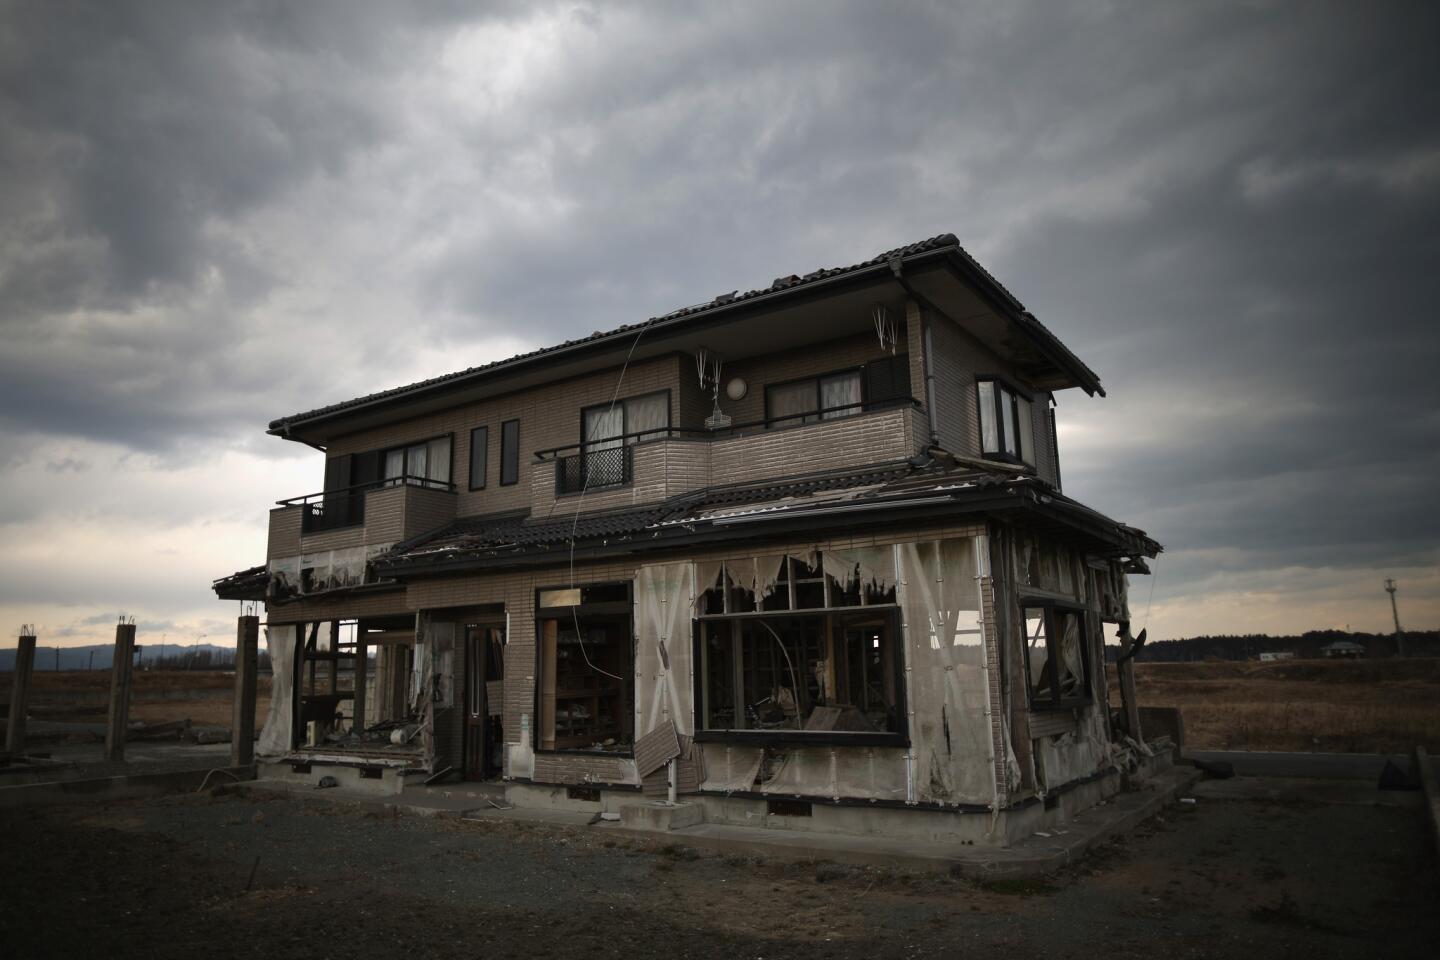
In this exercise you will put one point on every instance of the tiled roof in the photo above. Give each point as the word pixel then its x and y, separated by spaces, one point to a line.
pixel 898 487
pixel 726 300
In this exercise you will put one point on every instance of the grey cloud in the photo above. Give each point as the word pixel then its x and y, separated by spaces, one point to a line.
pixel 1232 213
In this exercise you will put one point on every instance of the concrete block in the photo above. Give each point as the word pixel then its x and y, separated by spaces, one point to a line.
pixel 657 815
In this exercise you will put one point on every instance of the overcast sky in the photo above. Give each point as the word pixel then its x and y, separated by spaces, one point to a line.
pixel 215 214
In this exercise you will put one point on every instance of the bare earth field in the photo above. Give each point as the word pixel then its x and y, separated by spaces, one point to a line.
pixel 1342 706
pixel 157 696
pixel 172 877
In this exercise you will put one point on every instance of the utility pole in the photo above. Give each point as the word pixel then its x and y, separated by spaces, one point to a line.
pixel 1395 611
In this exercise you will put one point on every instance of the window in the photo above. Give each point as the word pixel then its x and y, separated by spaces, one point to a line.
pixel 605 429
pixel 777 658
pixel 829 397
pixel 509 452
pixel 479 456
pixel 1007 425
pixel 1057 656
pixel 586 669
pixel 424 464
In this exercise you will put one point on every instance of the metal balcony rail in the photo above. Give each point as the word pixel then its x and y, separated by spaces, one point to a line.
pixel 345 506
pixel 591 469
pixel 826 414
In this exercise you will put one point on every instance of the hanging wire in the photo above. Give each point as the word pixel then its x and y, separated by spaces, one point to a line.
pixel 575 524
pixel 1154 575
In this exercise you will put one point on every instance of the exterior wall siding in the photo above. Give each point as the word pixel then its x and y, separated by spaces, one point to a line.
pixel 516 591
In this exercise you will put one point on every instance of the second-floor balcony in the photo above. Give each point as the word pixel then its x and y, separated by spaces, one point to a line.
pixel 367 514
pixel 654 464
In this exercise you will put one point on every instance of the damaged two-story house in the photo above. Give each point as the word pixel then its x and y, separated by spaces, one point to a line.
pixel 795 557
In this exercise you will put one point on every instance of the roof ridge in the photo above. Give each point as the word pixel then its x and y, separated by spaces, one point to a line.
pixel 723 300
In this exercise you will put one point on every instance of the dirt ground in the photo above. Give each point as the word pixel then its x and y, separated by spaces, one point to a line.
pixel 1342 706
pixel 203 696
pixel 236 877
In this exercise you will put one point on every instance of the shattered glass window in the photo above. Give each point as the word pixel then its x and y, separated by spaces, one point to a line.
pixel 1055 654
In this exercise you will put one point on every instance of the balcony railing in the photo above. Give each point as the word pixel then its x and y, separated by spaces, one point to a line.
pixel 577 461
pixel 591 469
pixel 345 506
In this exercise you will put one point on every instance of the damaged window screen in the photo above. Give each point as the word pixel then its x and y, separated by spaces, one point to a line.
pixel 1055 654
pixel 586 660
pixel 811 581
pixel 801 673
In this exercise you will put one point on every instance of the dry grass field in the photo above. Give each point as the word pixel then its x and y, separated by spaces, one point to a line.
pixel 202 696
pixel 1342 706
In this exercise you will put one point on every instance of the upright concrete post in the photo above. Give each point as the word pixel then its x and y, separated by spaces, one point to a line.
pixel 120 691
pixel 20 693
pixel 242 724
pixel 361 674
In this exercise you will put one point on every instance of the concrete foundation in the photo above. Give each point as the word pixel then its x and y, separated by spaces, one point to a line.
pixel 371 781
pixel 658 815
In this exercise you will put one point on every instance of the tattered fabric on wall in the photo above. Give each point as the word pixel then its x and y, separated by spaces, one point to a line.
pixel 275 736
pixel 953 746
pixel 664 682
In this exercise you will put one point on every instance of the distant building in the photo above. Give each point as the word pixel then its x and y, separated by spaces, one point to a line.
pixel 1343 649
pixel 1277 655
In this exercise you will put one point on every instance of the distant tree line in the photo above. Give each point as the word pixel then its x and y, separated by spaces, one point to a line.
pixel 1418 643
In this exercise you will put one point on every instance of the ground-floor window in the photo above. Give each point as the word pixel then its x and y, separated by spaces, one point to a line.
pixel 811 673
pixel 1056 655
pixel 586 669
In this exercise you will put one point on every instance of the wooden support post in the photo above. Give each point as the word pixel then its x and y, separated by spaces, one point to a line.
pixel 362 669
pixel 1127 697
pixel 242 723
pixel 120 692
pixel 20 694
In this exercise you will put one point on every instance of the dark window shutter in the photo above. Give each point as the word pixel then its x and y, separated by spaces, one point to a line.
pixel 888 379
pixel 365 467
pixel 337 498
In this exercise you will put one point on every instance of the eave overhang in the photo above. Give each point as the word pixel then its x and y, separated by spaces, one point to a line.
pixel 941 259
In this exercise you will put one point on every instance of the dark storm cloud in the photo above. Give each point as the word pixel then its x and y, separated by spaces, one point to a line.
pixel 213 215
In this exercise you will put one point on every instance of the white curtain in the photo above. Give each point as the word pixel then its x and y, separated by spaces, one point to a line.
pixel 989 438
pixel 644 414
pixel 275 735
pixel 790 399
pixel 842 390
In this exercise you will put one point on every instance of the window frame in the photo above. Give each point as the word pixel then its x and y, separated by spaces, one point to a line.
pixel 625 417
pixel 1051 606
pixel 801 419
pixel 404 448
pixel 1025 457
pixel 615 608
pixel 833 617
pixel 484 448
pixel 511 469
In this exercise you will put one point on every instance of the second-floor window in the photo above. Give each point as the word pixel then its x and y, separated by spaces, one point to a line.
pixel 509 453
pixel 814 398
pixel 1007 424
pixel 607 428
pixel 419 463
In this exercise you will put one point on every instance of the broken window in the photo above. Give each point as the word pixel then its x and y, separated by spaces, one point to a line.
pixel 803 644
pixel 1056 655
pixel 1007 426
pixel 586 663
pixel 801 673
